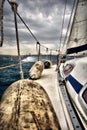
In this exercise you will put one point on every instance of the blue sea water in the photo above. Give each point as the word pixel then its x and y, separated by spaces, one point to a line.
pixel 11 74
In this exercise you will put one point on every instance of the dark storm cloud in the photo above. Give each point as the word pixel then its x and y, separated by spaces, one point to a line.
pixel 44 18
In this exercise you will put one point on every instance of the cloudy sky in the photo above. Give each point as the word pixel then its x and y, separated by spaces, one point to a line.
pixel 43 17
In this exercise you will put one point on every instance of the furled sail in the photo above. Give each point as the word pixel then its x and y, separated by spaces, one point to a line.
pixel 1 21
pixel 78 36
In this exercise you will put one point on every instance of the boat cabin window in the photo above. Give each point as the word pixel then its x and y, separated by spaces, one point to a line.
pixel 84 95
pixel 67 69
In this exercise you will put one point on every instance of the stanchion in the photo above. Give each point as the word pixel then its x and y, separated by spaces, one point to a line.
pixel 38 51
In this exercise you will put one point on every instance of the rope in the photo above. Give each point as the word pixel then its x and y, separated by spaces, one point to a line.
pixel 14 8
pixel 8 66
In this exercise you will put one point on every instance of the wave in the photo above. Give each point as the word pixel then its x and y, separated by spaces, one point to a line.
pixel 29 59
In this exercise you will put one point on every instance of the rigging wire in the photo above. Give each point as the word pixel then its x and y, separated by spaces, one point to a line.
pixel 69 28
pixel 81 21
pixel 59 51
pixel 37 41
pixel 35 36
pixel 62 25
pixel 31 32
pixel 14 9
pixel 27 27
pixel 59 56
pixel 20 63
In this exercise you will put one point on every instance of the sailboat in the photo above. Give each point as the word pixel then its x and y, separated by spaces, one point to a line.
pixel 25 104
pixel 28 104
pixel 74 72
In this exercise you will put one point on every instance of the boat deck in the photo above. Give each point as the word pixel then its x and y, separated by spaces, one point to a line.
pixel 17 98
pixel 49 81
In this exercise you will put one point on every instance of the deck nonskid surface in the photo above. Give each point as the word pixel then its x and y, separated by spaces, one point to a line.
pixel 50 83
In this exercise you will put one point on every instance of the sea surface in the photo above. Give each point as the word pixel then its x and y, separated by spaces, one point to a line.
pixel 10 74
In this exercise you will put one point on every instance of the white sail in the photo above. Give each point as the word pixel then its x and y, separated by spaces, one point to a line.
pixel 1 21
pixel 78 35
